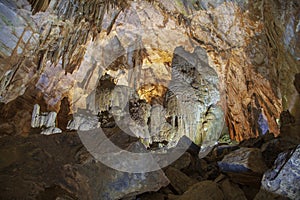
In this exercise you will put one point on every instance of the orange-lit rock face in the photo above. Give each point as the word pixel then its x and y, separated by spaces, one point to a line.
pixel 152 93
pixel 242 58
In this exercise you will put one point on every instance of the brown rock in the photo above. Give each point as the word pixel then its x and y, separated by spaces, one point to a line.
pixel 263 195
pixel 231 190
pixel 244 166
pixel 173 197
pixel 179 180
pixel 182 162
pixel 297 82
pixel 243 160
pixel 250 191
pixel 272 148
pixel 203 191
pixel 152 196
pixel 7 128
pixel 38 161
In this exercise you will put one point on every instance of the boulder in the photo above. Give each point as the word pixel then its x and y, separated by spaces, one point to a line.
pixel 182 162
pixel 231 190
pixel 7 128
pixel 244 166
pixel 107 183
pixel 284 178
pixel 220 151
pixel 243 160
pixel 202 191
pixel 114 184
pixel 271 149
pixel 173 197
pixel 154 196
pixel 179 181
pixel 185 142
pixel 263 194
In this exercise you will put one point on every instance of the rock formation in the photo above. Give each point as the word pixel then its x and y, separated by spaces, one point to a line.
pixel 152 78
pixel 128 39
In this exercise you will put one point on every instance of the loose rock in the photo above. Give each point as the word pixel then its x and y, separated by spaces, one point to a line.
pixel 243 160
pixel 182 162
pixel 179 180
pixel 231 190
pixel 202 191
pixel 284 178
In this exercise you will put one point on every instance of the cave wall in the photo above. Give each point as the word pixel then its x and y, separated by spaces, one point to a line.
pixel 253 46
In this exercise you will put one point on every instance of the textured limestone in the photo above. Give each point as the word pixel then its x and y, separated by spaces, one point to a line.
pixel 254 55
pixel 242 95
pixel 51 131
pixel 18 40
pixel 285 51
pixel 40 119
pixel 153 49
pixel 283 178
pixel 194 95
pixel 142 61
pixel 44 120
pixel 84 122
pixel 243 160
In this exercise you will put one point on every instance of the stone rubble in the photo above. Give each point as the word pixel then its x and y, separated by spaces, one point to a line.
pixel 236 172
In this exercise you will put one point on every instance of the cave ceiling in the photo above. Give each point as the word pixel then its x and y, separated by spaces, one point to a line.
pixel 229 64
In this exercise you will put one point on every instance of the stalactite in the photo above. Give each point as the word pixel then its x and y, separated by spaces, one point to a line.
pixel 39 5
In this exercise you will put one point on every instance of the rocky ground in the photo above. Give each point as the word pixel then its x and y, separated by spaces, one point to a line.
pixel 261 168
pixel 59 167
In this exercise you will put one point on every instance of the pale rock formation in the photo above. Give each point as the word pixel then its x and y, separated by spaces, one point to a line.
pixel 18 41
pixel 84 122
pixel 51 130
pixel 40 119
pixel 44 120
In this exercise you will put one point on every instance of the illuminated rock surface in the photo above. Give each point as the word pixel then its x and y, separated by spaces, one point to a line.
pixel 162 71
pixel 140 38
